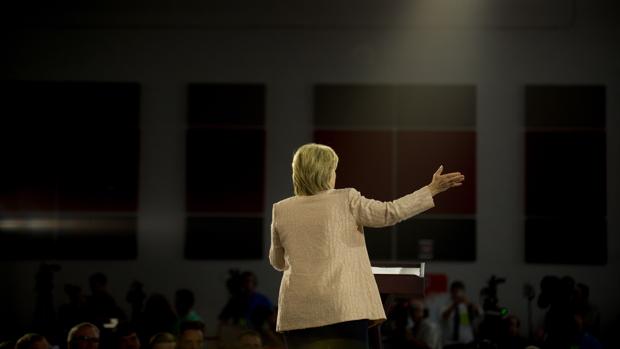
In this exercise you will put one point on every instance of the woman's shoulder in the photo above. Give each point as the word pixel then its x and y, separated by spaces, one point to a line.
pixel 326 194
pixel 283 201
pixel 345 191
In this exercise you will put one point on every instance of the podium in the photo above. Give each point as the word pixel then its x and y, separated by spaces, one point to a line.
pixel 396 279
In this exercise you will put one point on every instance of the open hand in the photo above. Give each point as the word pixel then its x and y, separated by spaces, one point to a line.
pixel 443 182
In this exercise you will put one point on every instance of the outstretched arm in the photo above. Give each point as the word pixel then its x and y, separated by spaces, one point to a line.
pixel 376 214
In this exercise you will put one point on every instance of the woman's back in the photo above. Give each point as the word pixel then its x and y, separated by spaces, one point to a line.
pixel 318 232
pixel 318 241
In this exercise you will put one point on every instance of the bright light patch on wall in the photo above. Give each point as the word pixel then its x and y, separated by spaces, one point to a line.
pixel 71 225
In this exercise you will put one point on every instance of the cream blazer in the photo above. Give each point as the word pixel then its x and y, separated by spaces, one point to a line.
pixel 318 242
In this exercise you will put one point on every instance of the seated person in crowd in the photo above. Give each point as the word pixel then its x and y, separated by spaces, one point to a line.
pixel 407 327
pixel 511 337
pixel 184 305
pixel 74 311
pixel 126 337
pixel 426 333
pixel 100 306
pixel 591 314
pixel 246 306
pixel 396 329
pixel 192 335
pixel 32 341
pixel 158 316
pixel 582 339
pixel 83 336
pixel 250 339
pixel 163 340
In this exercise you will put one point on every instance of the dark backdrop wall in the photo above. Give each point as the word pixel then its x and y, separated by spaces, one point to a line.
pixel 497 50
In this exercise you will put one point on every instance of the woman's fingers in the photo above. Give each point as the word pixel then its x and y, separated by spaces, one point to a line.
pixel 439 170
pixel 454 178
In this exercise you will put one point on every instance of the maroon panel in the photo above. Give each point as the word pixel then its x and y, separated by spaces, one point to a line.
pixel 29 174
pixel 365 160
pixel 421 152
pixel 98 170
pixel 72 170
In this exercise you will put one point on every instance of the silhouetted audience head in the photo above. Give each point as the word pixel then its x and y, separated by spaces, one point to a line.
pixel 163 340
pixel 249 282
pixel 126 337
pixel 32 341
pixel 241 283
pixel 399 314
pixel 418 310
pixel 582 295
pixel 184 301
pixel 233 283
pixel 7 345
pixel 98 282
pixel 589 313
pixel 136 295
pixel 191 335
pixel 457 290
pixel 570 320
pixel 83 336
pixel 556 291
pixel 158 305
pixel 158 316
pixel 74 293
pixel 250 339
pixel 73 312
pixel 513 325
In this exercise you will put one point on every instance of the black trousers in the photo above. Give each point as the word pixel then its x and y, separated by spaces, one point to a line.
pixel 341 335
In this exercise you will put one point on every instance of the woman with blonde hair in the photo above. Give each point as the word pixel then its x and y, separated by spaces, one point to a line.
pixel 328 295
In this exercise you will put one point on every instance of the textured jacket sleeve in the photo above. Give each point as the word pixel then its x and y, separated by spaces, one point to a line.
pixel 276 251
pixel 377 214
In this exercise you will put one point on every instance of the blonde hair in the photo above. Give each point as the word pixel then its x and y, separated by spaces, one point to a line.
pixel 313 165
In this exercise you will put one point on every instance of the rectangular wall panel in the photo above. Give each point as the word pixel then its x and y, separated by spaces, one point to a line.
pixel 225 171
pixel 566 174
pixel 390 140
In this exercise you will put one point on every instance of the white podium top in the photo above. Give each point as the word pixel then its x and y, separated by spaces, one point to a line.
pixel 399 270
